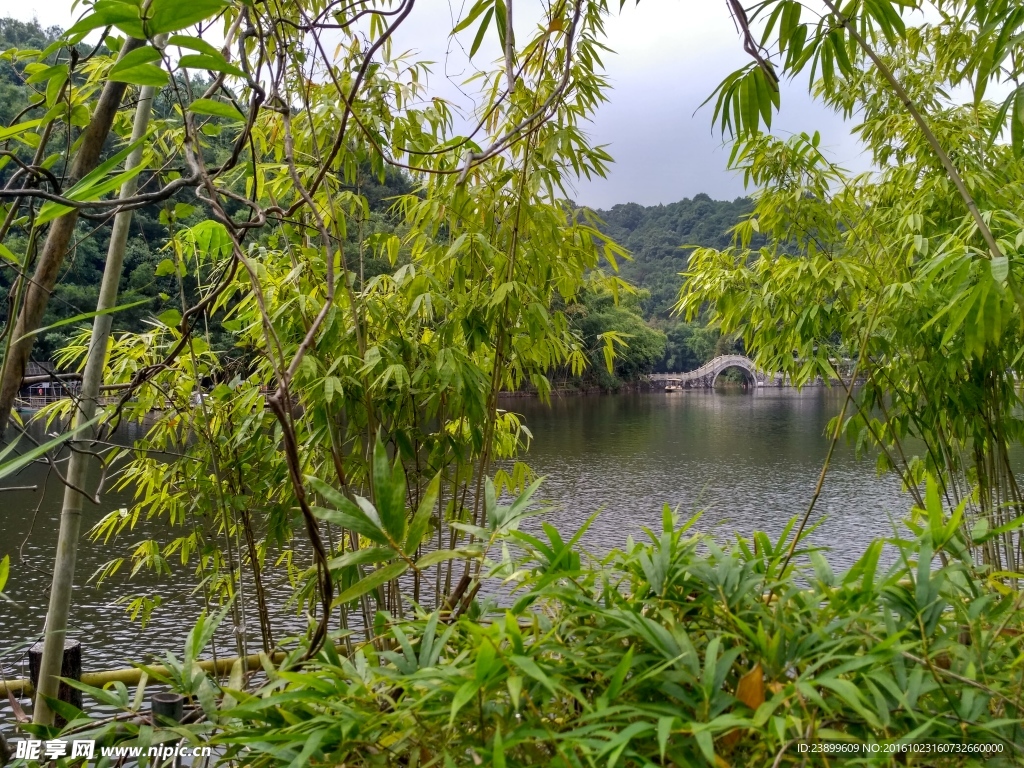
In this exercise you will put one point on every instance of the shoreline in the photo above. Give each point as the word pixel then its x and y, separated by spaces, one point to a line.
pixel 653 386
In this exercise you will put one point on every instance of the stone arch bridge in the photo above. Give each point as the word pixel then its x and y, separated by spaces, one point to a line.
pixel 706 376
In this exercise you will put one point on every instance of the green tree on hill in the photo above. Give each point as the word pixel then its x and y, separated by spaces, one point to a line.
pixel 658 237
pixel 638 346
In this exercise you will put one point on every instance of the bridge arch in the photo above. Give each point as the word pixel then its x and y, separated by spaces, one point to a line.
pixel 742 364
pixel 706 376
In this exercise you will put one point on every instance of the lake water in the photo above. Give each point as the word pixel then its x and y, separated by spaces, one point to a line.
pixel 747 460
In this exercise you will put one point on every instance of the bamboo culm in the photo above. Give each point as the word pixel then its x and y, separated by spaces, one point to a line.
pixel 78 468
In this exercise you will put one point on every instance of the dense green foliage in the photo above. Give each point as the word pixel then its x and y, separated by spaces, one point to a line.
pixel 143 282
pixel 660 238
pixel 362 413
pixel 673 651
pixel 913 272
pixel 653 235
pixel 638 348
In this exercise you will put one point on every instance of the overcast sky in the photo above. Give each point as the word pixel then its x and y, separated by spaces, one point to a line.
pixel 669 56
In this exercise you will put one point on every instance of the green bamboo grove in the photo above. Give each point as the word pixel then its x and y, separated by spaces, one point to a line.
pixel 346 273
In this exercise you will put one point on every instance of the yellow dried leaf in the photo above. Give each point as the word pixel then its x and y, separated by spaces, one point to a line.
pixel 728 741
pixel 750 689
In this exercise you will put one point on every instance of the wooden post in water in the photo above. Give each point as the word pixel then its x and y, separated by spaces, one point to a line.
pixel 167 707
pixel 71 668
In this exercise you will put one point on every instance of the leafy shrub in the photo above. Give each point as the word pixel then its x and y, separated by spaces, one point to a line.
pixel 675 651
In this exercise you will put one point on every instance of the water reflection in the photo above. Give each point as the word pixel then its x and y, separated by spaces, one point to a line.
pixel 750 461
pixel 29 523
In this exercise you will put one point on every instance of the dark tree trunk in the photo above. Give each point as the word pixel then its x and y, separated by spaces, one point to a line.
pixel 37 293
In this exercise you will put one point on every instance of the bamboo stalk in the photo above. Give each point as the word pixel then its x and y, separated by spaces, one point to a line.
pixel 132 675
pixel 78 467
pixel 55 248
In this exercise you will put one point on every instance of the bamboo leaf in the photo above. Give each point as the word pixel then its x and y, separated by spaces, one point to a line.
pixel 137 68
pixel 619 675
pixel 172 15
pixel 94 184
pixel 462 696
pixel 529 666
pixel 345 512
pixel 478 40
pixel 475 11
pixel 14 130
pixel 145 55
pixel 1017 122
pixel 664 731
pixel 213 63
pixel 84 316
pixel 498 750
pixel 849 693
pixel 361 557
pixel 354 519
pixel 441 555
pixel 389 492
pixel 12 466
pixel 215 109
pixel 193 44
pixel 421 520
pixel 371 582
pixel 105 13
pixel 1000 266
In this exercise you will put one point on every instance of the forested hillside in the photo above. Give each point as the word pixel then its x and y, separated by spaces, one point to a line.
pixel 656 237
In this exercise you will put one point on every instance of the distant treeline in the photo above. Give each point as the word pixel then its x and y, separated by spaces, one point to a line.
pixel 655 236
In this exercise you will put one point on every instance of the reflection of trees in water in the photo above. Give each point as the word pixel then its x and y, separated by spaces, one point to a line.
pixel 747 460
